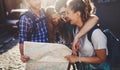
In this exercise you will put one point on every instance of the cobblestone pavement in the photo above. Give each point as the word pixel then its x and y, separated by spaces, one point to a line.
pixel 10 60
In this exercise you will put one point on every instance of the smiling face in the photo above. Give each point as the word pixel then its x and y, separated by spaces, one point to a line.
pixel 81 8
pixel 72 16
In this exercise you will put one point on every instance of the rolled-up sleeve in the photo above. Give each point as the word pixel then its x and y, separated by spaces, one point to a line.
pixel 23 29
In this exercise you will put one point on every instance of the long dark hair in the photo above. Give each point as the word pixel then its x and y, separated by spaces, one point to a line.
pixel 61 26
pixel 83 6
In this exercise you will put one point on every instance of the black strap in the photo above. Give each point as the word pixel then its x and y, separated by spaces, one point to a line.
pixel 32 17
pixel 30 32
pixel 112 42
pixel 105 1
pixel 34 28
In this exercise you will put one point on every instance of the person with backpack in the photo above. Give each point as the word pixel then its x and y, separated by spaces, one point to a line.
pixel 89 24
pixel 60 7
pixel 32 26
pixel 92 54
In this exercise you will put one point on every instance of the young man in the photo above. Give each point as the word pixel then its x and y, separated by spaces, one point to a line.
pixel 30 31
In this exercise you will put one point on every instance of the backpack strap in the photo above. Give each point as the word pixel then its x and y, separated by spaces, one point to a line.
pixel 90 32
pixel 112 42
pixel 108 33
pixel 32 17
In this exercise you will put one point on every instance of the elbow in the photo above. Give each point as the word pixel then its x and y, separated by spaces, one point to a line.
pixel 96 18
pixel 101 60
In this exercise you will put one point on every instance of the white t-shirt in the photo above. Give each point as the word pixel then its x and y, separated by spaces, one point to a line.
pixel 98 39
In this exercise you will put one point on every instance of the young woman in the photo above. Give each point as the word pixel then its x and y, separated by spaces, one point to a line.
pixel 56 27
pixel 91 55
pixel 90 23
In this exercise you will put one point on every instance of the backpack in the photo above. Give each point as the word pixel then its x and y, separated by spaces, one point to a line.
pixel 105 1
pixel 113 45
pixel 33 30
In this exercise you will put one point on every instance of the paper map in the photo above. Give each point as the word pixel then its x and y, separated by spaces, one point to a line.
pixel 46 56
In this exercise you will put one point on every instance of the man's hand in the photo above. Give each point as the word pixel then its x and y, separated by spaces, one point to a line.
pixel 24 58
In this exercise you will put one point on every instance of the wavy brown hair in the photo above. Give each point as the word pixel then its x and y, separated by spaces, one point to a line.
pixel 83 6
pixel 61 26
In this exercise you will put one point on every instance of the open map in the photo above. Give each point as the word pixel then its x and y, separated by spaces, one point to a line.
pixel 46 56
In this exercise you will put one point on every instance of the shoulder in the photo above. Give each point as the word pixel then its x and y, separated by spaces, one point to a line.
pixel 97 32
pixel 23 16
pixel 99 39
pixel 23 19
pixel 98 35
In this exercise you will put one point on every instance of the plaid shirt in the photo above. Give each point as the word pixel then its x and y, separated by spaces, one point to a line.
pixel 26 24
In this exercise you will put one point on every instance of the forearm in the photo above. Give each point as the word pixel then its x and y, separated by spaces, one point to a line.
pixel 24 58
pixel 88 25
pixel 86 59
pixel 99 58
pixel 21 48
pixel 91 59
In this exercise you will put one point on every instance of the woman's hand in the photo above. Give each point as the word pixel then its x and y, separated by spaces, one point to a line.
pixel 24 58
pixel 72 58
